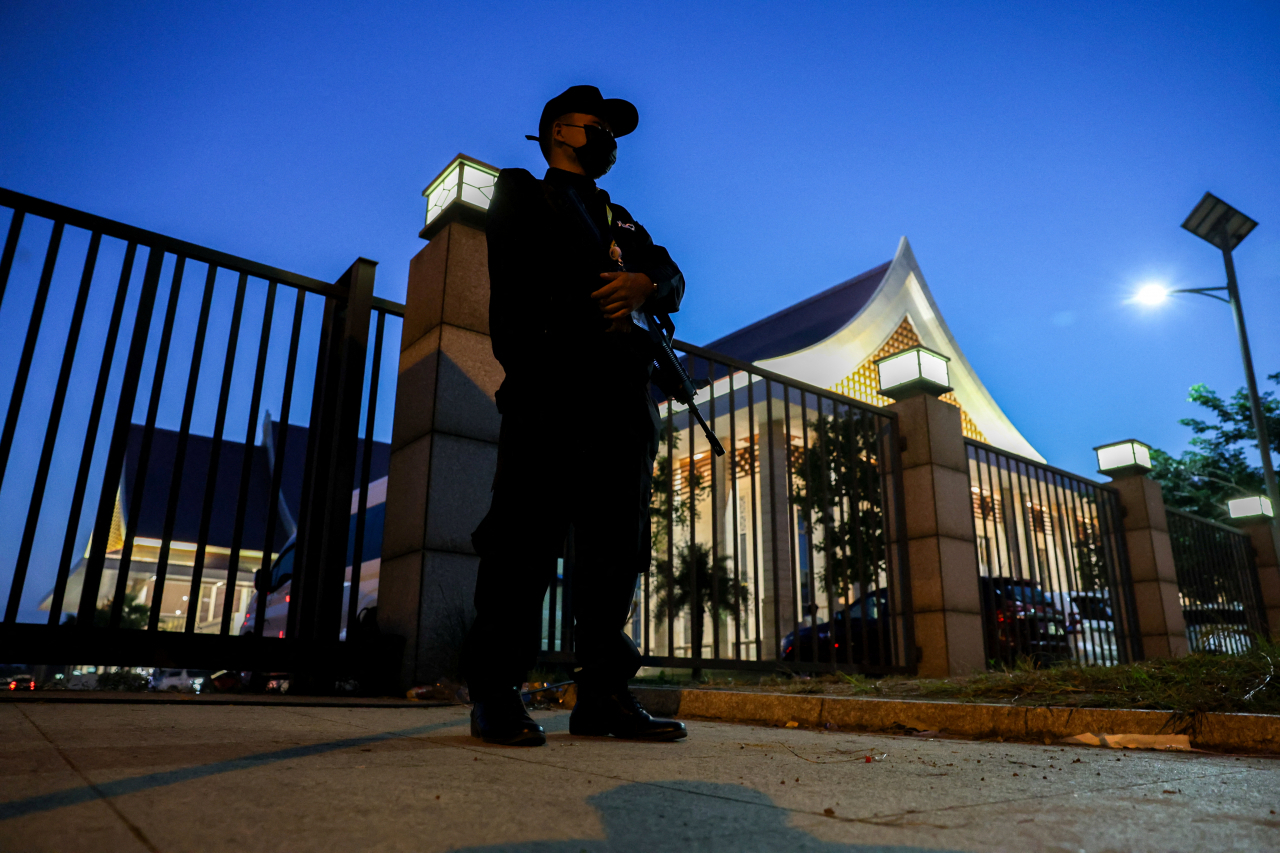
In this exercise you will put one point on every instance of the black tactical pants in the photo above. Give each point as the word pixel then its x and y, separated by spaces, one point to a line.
pixel 556 473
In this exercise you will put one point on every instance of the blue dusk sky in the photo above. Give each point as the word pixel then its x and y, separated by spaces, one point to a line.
pixel 1040 157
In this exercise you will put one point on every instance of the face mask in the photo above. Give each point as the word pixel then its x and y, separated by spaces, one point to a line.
pixel 598 154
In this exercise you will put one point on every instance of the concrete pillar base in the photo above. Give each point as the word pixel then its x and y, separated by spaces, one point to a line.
pixel 444 450
pixel 1262 536
pixel 1151 565
pixel 940 538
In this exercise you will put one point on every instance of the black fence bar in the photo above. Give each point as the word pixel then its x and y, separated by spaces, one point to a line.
pixel 331 459
pixel 10 247
pixel 276 459
pixel 215 456
pixel 28 350
pixel 172 505
pixel 1217 584
pixel 366 466
pixel 90 438
pixel 51 430
pixel 246 471
pixel 114 469
pixel 1052 567
pixel 109 227
pixel 144 451
pixel 180 454
pixel 811 478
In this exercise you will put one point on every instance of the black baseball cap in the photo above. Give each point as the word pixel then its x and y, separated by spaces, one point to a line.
pixel 621 115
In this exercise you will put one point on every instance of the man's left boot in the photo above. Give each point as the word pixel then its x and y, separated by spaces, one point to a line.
pixel 616 712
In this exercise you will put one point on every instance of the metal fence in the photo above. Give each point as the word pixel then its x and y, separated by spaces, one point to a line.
pixel 1217 584
pixel 787 552
pixel 1053 570
pixel 141 484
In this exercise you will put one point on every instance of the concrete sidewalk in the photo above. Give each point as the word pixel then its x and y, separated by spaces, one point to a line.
pixel 209 778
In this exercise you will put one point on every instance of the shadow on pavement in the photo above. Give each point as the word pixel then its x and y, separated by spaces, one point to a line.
pixel 643 817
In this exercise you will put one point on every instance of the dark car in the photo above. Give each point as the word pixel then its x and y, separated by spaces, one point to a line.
pixel 1218 628
pixel 1021 621
pixel 858 633
pixel 22 682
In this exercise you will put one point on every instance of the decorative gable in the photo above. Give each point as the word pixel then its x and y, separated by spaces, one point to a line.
pixel 863 383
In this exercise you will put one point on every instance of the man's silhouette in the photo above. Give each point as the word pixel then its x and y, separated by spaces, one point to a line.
pixel 579 427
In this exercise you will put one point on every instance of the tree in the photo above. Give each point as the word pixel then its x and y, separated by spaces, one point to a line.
pixel 1216 467
pixel 693 570
pixel 839 498
pixel 132 614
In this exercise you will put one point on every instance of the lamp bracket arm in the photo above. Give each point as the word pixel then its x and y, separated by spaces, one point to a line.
pixel 1204 291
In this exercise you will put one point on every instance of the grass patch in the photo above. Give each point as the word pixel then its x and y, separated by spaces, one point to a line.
pixel 1197 683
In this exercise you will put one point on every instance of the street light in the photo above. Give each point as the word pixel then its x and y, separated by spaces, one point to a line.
pixel 1216 222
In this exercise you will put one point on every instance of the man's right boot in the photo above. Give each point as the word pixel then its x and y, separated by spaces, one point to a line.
pixel 502 718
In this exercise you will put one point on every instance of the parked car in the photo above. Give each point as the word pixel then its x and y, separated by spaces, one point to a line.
pixel 1090 626
pixel 844 635
pixel 1020 620
pixel 276 584
pixel 179 680
pixel 1218 629
pixel 21 682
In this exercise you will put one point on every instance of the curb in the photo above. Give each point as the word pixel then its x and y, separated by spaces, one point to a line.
pixel 111 697
pixel 1215 732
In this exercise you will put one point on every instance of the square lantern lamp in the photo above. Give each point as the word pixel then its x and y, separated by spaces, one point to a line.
pixel 912 372
pixel 1251 507
pixel 1124 458
pixel 461 192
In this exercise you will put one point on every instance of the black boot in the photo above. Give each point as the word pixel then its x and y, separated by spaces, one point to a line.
pixel 502 718
pixel 616 712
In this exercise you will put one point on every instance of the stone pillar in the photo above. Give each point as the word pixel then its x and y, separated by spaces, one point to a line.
pixel 777 576
pixel 940 538
pixel 1262 536
pixel 444 450
pixel 1151 566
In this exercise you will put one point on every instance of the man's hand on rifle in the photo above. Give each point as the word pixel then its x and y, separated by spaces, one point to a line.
pixel 622 293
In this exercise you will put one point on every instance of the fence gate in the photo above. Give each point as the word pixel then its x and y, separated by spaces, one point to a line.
pixel 1217 584
pixel 1052 565
pixel 139 490
pixel 789 552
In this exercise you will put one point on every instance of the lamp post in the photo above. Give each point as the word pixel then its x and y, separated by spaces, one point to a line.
pixel 1219 223
pixel 1216 222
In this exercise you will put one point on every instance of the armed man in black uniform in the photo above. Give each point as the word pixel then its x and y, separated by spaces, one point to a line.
pixel 567 267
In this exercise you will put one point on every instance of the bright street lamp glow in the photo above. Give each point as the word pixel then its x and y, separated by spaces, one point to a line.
pixel 1152 294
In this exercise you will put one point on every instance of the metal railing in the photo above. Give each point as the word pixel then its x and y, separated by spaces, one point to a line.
pixel 788 552
pixel 1053 571
pixel 1217 584
pixel 132 480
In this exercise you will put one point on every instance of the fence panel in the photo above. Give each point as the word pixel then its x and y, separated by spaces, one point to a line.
pixel 1217 584
pixel 157 504
pixel 1053 571
pixel 789 551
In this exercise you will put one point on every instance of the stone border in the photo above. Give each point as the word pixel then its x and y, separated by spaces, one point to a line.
pixel 1216 732
pixel 112 697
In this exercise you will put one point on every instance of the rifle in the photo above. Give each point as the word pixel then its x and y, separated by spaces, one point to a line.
pixel 671 376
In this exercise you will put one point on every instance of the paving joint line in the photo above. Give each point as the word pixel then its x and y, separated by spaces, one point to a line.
pixel 107 801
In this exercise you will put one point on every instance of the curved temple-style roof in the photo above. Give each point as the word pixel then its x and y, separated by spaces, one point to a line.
pixel 831 340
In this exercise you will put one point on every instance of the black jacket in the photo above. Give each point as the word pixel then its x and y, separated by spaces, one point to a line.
pixel 544 263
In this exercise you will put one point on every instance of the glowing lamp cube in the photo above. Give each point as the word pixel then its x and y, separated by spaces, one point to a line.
pixel 462 191
pixel 912 372
pixel 1124 458
pixel 1250 507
